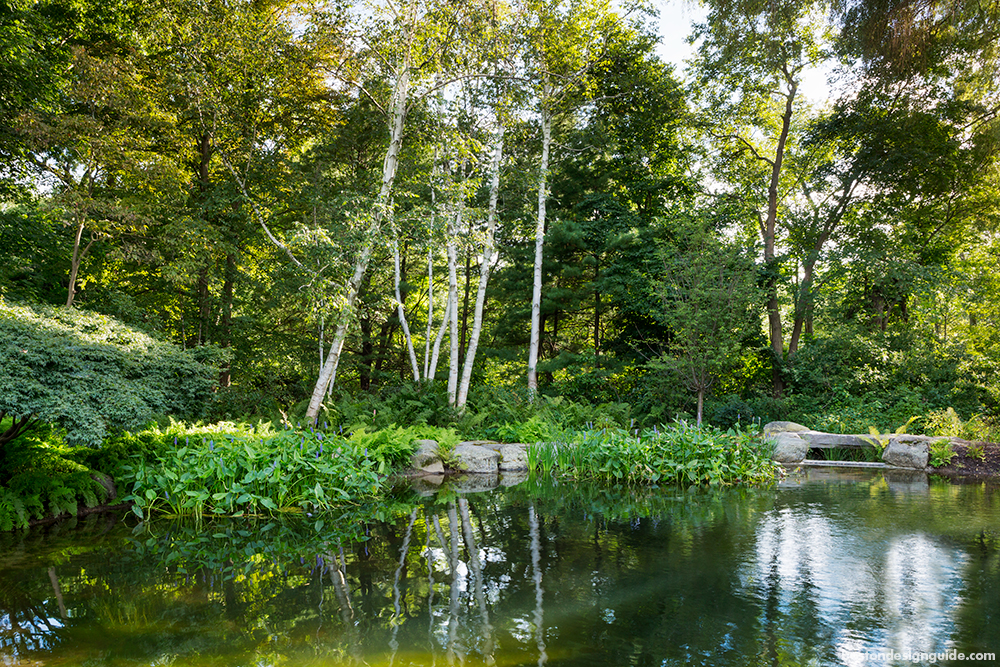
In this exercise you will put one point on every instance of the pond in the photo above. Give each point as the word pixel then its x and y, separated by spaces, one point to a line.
pixel 828 568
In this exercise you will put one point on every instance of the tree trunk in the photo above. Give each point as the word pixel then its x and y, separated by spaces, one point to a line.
pixel 399 304
pixel 74 265
pixel 328 373
pixel 803 305
pixel 436 351
pixel 453 304
pixel 536 292
pixel 484 274
pixel 463 334
pixel 428 375
pixel 204 307
pixel 597 314
pixel 225 376
pixel 773 306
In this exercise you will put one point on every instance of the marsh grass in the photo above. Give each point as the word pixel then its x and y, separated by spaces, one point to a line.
pixel 679 453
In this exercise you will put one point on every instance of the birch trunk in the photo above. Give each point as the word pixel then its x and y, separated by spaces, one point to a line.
pixel 430 298
pixel 454 223
pixel 399 304
pixel 328 373
pixel 484 273
pixel 75 261
pixel 437 342
pixel 536 292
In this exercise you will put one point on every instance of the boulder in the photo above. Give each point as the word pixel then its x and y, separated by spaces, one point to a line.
pixel 513 457
pixel 476 459
pixel 790 448
pixel 907 451
pixel 774 428
pixel 427 458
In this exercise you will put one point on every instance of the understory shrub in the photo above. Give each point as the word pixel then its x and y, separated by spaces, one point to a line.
pixel 41 477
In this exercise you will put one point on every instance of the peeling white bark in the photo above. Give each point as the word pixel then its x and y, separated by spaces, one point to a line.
pixel 489 246
pixel 536 292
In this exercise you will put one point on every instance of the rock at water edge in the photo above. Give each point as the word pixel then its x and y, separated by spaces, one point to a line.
pixel 513 457
pixel 476 459
pixel 907 452
pixel 790 448
pixel 774 428
pixel 427 458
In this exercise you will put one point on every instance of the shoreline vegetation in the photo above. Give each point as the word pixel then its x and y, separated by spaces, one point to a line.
pixel 230 469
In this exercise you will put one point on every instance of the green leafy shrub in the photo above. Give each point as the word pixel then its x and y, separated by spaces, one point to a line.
pixel 941 453
pixel 230 470
pixel 91 375
pixel 948 422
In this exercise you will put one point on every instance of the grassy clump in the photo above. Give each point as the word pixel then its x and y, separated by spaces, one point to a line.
pixel 680 453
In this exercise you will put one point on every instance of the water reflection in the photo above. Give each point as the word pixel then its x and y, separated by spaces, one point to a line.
pixel 820 573
pixel 860 593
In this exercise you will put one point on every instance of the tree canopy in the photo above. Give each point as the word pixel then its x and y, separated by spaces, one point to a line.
pixel 377 198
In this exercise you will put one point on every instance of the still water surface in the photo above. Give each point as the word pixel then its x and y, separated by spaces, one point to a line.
pixel 826 569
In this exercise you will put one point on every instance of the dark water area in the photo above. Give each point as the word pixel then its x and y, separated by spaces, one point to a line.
pixel 828 568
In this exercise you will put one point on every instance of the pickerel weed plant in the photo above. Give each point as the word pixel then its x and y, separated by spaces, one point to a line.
pixel 288 471
pixel 678 453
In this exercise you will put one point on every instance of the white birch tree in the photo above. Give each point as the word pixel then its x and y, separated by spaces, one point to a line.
pixel 425 30
pixel 563 44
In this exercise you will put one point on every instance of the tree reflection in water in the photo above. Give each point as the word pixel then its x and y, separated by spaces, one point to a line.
pixel 816 574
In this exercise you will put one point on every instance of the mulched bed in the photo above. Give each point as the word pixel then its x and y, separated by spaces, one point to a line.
pixel 966 466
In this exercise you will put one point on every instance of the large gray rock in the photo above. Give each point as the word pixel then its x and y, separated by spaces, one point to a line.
pixel 907 451
pixel 790 448
pixel 513 457
pixel 774 428
pixel 427 458
pixel 476 459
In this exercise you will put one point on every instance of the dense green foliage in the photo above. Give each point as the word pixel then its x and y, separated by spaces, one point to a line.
pixel 215 194
pixel 679 454
pixel 91 376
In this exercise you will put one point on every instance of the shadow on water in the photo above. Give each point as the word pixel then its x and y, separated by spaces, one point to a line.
pixel 823 570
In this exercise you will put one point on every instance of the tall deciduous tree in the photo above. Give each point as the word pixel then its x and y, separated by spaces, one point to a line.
pixel 710 303
pixel 750 64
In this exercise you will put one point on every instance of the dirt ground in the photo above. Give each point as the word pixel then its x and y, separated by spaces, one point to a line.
pixel 964 465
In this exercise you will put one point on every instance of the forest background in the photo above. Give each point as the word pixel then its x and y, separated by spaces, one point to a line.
pixel 452 213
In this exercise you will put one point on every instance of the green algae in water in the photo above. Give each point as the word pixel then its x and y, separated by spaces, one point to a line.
pixel 822 570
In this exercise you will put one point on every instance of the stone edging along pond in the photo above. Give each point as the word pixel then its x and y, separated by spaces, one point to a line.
pixel 792 445
pixel 793 442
